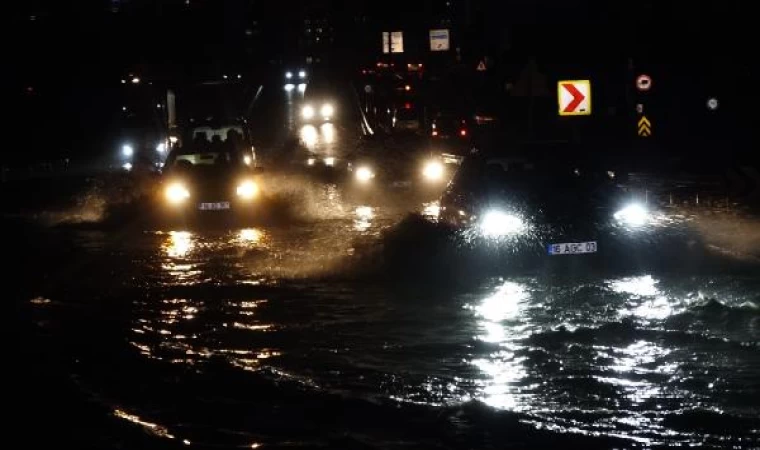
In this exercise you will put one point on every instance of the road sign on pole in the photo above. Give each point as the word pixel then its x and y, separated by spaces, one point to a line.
pixel 643 83
pixel 439 40
pixel 645 127
pixel 574 98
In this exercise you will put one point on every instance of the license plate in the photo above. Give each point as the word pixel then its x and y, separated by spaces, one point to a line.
pixel 402 184
pixel 572 248
pixel 218 206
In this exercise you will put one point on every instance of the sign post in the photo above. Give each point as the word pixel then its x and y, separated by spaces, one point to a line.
pixel 643 123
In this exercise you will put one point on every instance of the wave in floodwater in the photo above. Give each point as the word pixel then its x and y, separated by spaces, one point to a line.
pixel 343 323
pixel 370 244
pixel 645 360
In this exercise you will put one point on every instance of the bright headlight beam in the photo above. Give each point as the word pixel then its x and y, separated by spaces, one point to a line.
pixel 364 174
pixel 247 190
pixel 302 74
pixel 177 193
pixel 307 112
pixel 288 75
pixel 127 150
pixel 499 223
pixel 327 110
pixel 433 170
pixel 634 215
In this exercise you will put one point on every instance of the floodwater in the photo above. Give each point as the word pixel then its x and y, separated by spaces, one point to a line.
pixel 309 335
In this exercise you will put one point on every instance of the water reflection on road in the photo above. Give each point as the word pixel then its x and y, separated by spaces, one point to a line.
pixel 626 356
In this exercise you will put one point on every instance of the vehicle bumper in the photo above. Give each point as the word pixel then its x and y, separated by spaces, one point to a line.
pixel 192 213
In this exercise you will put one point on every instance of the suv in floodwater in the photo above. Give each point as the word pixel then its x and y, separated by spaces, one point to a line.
pixel 210 176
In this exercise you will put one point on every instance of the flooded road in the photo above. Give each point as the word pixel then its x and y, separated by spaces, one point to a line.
pixel 300 335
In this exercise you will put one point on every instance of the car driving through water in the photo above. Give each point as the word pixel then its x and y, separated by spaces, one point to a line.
pixel 555 210
pixel 422 172
pixel 210 177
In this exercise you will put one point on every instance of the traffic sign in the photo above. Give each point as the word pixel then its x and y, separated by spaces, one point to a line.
pixel 393 42
pixel 643 83
pixel 712 103
pixel 439 40
pixel 645 127
pixel 574 98
pixel 481 66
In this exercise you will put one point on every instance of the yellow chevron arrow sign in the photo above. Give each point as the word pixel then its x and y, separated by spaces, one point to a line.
pixel 645 127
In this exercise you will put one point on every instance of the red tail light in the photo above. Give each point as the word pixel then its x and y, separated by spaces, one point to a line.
pixel 407 106
pixel 435 133
pixel 463 132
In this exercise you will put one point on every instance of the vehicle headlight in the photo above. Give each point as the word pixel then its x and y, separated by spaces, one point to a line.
pixel 247 190
pixel 127 150
pixel 634 215
pixel 499 223
pixel 433 171
pixel 329 161
pixel 327 110
pixel 288 75
pixel 307 112
pixel 302 74
pixel 364 174
pixel 177 193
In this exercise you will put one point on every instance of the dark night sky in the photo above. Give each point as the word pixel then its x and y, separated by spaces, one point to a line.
pixel 73 54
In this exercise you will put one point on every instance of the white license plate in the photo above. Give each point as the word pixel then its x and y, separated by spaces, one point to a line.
pixel 573 248
pixel 402 184
pixel 218 206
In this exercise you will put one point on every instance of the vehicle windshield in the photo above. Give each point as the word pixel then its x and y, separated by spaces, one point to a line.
pixel 448 122
pixel 407 114
pixel 216 159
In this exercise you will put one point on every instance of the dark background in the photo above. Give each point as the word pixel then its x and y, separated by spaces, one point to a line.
pixel 66 60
